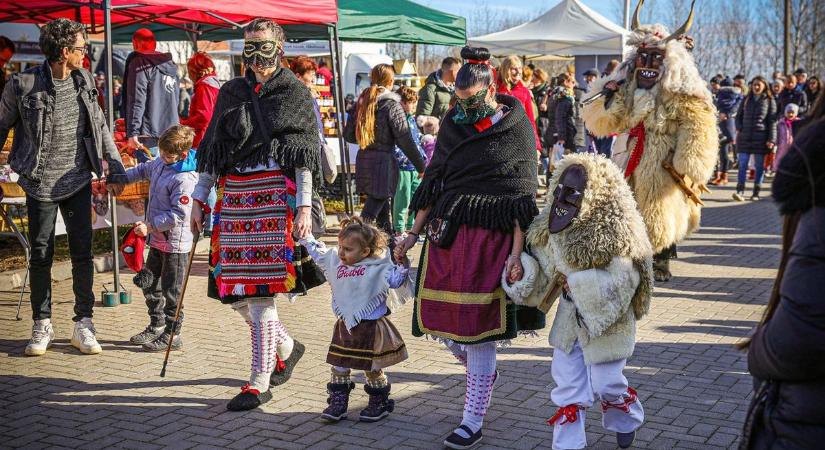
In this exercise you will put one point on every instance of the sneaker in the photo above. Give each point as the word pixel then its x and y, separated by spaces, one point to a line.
pixel 458 441
pixel 739 196
pixel 754 197
pixel 162 343
pixel 148 335
pixel 83 337
pixel 42 337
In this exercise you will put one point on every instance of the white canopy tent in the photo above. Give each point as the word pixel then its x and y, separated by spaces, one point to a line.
pixel 569 28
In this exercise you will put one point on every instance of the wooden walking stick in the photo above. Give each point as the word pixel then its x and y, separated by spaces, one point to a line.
pixel 176 323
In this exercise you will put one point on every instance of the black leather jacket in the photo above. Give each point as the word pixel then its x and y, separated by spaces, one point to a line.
pixel 28 107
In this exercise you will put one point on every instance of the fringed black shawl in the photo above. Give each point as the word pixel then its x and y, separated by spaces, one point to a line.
pixel 233 140
pixel 485 179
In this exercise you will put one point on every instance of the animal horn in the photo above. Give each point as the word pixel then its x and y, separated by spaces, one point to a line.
pixel 635 24
pixel 686 26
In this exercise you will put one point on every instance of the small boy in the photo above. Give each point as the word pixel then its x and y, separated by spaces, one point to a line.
pixel 408 179
pixel 172 178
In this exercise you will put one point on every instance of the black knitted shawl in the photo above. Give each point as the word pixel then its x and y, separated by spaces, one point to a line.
pixel 233 139
pixel 485 179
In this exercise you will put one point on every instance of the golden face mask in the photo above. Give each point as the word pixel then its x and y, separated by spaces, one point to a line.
pixel 261 53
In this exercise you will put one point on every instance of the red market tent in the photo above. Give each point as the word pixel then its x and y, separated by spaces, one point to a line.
pixel 194 17
pixel 180 13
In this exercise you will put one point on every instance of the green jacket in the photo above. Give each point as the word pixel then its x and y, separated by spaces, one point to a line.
pixel 434 98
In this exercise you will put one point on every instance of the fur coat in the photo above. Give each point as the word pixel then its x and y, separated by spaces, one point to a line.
pixel 605 255
pixel 678 116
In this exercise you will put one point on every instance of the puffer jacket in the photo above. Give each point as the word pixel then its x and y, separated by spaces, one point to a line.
pixel 170 201
pixel 376 170
pixel 434 98
pixel 756 124
pixel 28 106
pixel 786 356
pixel 796 96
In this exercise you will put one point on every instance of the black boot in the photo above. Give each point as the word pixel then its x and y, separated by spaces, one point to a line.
pixel 380 404
pixel 756 189
pixel 661 266
pixel 338 401
pixel 249 399
pixel 280 377
pixel 625 440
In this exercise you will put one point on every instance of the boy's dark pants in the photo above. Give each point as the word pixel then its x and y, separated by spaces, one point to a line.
pixel 162 296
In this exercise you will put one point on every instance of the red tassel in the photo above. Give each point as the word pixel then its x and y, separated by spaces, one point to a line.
pixel 636 155
pixel 280 365
pixel 568 414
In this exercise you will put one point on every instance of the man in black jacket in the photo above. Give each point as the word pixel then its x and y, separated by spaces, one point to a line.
pixel 60 131
pixel 152 90
pixel 792 95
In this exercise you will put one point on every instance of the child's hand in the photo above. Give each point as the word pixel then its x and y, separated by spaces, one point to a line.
pixel 141 229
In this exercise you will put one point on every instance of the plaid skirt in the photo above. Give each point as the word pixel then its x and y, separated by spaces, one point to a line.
pixel 371 345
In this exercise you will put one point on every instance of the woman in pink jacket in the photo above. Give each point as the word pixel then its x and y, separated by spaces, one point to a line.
pixel 202 71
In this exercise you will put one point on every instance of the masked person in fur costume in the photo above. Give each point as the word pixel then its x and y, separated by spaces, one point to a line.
pixel 477 197
pixel 660 100
pixel 261 151
pixel 592 247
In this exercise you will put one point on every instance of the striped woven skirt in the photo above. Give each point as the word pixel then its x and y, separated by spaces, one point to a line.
pixel 251 252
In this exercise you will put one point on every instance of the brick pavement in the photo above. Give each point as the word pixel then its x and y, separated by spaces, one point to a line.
pixel 693 384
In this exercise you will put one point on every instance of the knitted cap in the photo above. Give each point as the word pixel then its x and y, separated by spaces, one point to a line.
pixel 726 82
pixel 792 107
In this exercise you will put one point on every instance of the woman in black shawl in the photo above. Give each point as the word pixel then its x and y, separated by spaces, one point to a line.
pixel 477 197
pixel 261 151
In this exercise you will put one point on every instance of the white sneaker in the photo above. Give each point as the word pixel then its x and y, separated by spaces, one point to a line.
pixel 83 337
pixel 42 337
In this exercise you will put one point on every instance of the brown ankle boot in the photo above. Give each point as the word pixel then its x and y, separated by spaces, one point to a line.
pixel 717 180
pixel 724 180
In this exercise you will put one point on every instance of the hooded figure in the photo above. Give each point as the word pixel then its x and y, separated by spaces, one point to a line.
pixel 592 243
pixel 659 99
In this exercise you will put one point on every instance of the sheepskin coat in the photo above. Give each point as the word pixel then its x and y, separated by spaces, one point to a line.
pixel 607 259
pixel 679 117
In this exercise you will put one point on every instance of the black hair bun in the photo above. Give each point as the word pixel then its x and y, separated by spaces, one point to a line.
pixel 477 53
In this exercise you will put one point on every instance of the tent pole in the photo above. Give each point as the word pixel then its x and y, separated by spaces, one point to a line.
pixel 107 36
pixel 335 46
pixel 336 95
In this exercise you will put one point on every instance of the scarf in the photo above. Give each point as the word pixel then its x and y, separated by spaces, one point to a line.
pixel 483 179
pixel 359 289
pixel 234 140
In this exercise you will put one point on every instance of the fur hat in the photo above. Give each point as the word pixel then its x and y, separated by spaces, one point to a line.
pixel 608 225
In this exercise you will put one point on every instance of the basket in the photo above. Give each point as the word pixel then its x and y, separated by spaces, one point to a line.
pixel 135 191
pixel 11 189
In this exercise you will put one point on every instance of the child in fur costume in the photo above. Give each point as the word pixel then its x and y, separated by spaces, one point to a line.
pixel 361 274
pixel 592 244
pixel 172 179
pixel 658 99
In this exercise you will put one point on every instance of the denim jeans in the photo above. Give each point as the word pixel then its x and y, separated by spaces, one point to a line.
pixel 162 296
pixel 77 215
pixel 742 178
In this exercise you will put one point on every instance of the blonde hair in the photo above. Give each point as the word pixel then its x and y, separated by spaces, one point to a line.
pixel 527 74
pixel 380 76
pixel 367 234
pixel 506 64
pixel 540 74
pixel 176 140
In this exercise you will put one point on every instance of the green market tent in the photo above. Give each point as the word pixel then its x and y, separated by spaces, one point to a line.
pixel 358 20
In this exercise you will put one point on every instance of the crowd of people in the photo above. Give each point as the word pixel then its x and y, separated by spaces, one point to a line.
pixel 453 166
pixel 757 123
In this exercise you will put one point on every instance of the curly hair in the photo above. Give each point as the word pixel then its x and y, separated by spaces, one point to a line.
pixel 261 24
pixel 57 35
pixel 302 65
pixel 367 234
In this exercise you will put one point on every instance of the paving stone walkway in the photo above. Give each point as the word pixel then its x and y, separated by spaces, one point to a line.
pixel 694 385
